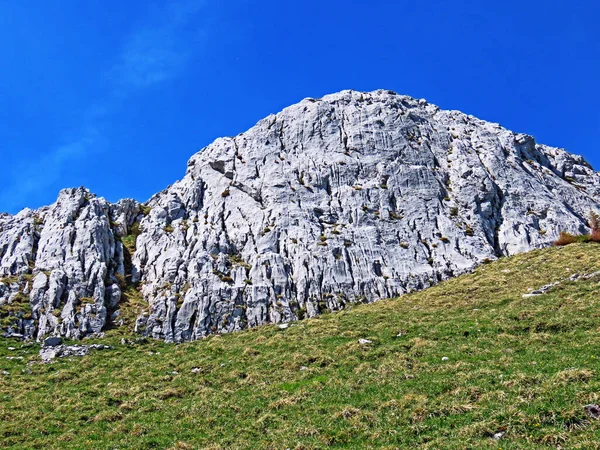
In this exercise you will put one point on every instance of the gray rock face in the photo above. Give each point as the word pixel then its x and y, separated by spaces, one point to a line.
pixel 60 264
pixel 350 198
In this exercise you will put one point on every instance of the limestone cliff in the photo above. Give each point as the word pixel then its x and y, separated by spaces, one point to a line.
pixel 350 198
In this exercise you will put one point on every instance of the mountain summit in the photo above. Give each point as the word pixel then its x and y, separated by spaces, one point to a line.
pixel 350 198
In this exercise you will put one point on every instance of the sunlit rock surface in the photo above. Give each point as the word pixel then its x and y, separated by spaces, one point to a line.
pixel 350 198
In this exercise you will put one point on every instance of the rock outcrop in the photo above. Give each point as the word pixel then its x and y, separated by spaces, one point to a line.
pixel 60 266
pixel 47 354
pixel 350 198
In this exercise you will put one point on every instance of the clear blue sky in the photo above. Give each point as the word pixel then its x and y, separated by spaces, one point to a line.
pixel 117 95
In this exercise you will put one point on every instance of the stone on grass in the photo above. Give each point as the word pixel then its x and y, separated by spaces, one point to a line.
pixel 593 411
pixel 52 341
pixel 47 354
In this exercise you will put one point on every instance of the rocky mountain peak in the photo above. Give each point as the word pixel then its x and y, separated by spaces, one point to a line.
pixel 349 198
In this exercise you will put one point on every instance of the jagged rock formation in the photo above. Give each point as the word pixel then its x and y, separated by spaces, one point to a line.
pixel 60 265
pixel 350 198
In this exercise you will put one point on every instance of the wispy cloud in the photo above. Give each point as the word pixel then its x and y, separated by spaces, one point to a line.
pixel 30 178
pixel 160 47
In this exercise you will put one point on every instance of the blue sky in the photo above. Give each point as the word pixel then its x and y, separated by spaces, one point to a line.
pixel 117 95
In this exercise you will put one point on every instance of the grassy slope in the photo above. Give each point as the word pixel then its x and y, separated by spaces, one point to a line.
pixel 527 366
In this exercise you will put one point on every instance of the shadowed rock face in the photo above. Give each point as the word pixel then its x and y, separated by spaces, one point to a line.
pixel 350 198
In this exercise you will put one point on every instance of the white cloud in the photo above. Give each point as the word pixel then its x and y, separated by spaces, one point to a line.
pixel 31 177
pixel 159 48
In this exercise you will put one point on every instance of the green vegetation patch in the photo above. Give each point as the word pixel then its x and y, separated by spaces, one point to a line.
pixel 18 308
pixel 445 368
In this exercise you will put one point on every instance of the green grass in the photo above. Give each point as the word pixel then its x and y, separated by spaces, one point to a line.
pixel 11 311
pixel 526 366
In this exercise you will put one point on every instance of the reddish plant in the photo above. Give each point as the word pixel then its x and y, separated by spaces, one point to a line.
pixel 564 239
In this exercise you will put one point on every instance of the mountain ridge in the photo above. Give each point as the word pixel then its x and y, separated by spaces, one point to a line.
pixel 349 198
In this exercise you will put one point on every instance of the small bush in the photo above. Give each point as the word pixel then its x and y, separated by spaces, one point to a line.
pixel 121 281
pixel 594 236
pixel 301 313
pixel 568 238
pixel 129 242
pixel 37 220
pixel 237 260
pixel 564 239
